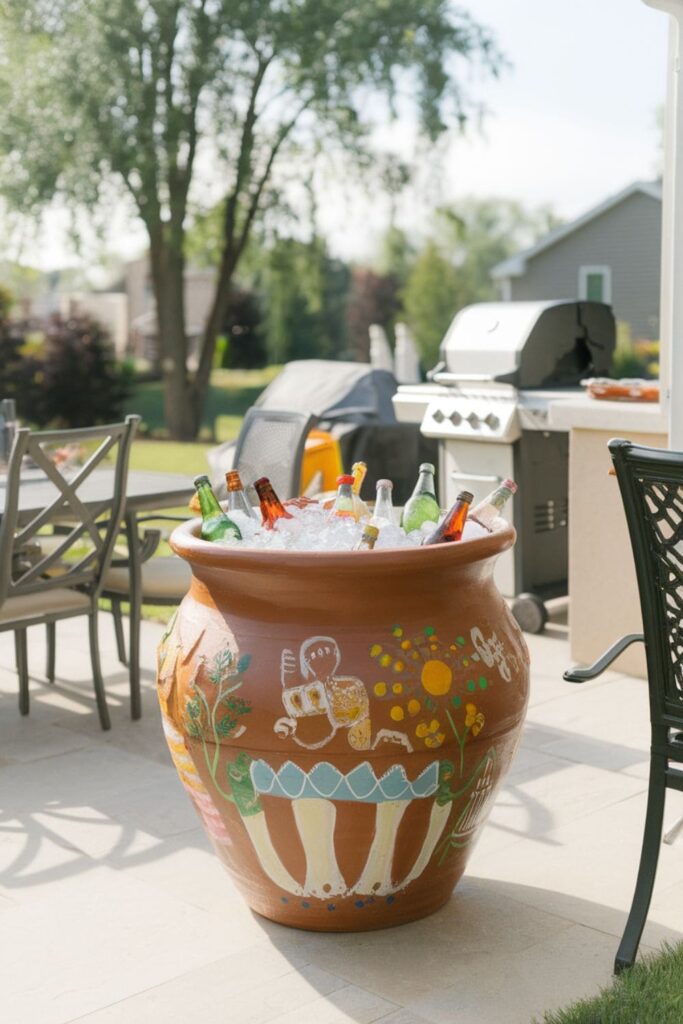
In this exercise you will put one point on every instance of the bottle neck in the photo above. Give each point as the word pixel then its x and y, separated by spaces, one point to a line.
pixel 359 470
pixel 383 503
pixel 208 502
pixel 271 506
pixel 425 483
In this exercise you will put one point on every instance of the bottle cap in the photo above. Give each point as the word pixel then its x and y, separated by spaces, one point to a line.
pixel 346 478
pixel 466 496
pixel 233 481
pixel 385 483
pixel 426 467
pixel 262 481
pixel 370 530
pixel 511 485
pixel 201 479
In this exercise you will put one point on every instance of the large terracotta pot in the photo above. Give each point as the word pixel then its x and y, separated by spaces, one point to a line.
pixel 342 721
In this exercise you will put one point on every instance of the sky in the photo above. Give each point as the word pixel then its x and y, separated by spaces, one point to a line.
pixel 570 122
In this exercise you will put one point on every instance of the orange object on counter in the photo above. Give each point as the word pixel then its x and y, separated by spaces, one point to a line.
pixel 625 390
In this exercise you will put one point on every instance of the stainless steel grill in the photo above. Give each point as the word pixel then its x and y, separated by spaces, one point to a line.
pixel 487 404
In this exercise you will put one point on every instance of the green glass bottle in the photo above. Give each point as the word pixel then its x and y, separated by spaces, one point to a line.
pixel 422 505
pixel 216 525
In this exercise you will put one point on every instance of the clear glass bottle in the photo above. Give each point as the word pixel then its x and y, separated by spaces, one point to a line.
pixel 451 528
pixel 216 525
pixel 272 508
pixel 383 512
pixel 343 503
pixel 237 499
pixel 368 538
pixel 422 505
pixel 487 511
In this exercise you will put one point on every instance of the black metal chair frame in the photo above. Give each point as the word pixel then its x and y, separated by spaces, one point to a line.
pixel 651 484
pixel 65 566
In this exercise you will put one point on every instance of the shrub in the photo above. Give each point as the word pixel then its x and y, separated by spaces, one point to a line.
pixel 71 379
pixel 82 382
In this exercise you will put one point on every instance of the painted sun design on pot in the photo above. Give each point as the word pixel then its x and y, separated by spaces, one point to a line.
pixel 420 674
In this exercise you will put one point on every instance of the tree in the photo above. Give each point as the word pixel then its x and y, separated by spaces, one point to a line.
pixel 132 93
pixel 304 292
pixel 430 298
pixel 373 299
pixel 454 268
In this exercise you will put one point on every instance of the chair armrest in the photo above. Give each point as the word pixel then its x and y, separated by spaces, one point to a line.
pixel 148 544
pixel 581 675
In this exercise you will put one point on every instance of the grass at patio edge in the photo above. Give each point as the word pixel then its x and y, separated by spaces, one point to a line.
pixel 651 992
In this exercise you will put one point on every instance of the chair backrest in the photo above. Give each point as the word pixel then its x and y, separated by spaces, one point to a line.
pixel 271 443
pixel 87 508
pixel 651 484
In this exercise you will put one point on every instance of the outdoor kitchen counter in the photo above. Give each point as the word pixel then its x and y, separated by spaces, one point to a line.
pixel 602 585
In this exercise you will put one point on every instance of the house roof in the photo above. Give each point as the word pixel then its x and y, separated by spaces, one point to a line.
pixel 515 265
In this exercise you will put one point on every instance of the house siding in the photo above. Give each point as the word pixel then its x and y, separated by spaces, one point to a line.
pixel 627 238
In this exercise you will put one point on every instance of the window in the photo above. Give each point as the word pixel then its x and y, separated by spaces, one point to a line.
pixel 595 284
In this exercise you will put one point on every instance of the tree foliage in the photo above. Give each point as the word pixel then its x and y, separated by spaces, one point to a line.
pixel 453 269
pixel 147 94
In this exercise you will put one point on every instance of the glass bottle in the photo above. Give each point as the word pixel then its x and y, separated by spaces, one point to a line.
pixel 383 512
pixel 272 508
pixel 451 528
pixel 360 509
pixel 216 525
pixel 368 538
pixel 422 505
pixel 237 499
pixel 487 511
pixel 343 503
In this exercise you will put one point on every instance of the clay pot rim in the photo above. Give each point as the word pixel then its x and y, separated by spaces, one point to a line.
pixel 186 543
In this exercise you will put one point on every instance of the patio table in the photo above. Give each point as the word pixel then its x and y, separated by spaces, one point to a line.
pixel 145 491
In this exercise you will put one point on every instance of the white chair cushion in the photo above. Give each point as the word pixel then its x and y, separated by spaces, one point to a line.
pixel 166 578
pixel 46 602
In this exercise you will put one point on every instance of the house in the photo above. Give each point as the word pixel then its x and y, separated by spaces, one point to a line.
pixel 142 320
pixel 609 254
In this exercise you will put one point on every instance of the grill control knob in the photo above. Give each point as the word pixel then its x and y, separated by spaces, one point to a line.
pixel 455 418
pixel 473 420
pixel 438 416
pixel 492 421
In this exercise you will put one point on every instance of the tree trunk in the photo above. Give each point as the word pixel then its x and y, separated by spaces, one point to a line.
pixel 181 409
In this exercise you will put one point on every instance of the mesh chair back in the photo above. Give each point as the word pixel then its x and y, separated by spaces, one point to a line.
pixel 87 510
pixel 651 483
pixel 271 443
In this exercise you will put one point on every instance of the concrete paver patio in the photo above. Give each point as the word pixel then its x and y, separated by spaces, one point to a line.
pixel 113 910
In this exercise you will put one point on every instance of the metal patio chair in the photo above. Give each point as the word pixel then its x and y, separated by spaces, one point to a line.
pixel 64 579
pixel 651 484
pixel 271 443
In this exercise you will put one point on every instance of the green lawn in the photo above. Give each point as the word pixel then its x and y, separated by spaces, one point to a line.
pixel 651 992
pixel 230 395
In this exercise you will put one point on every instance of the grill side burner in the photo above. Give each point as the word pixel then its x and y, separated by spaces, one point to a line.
pixel 502 364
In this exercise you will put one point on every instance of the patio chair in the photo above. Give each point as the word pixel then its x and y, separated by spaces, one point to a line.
pixel 271 443
pixel 65 579
pixel 651 484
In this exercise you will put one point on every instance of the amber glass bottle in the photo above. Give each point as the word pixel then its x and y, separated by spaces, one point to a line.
pixel 272 508
pixel 451 528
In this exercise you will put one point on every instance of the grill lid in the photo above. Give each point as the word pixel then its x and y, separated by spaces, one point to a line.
pixel 530 344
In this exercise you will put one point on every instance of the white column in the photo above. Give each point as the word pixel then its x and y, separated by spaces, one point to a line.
pixel 671 307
